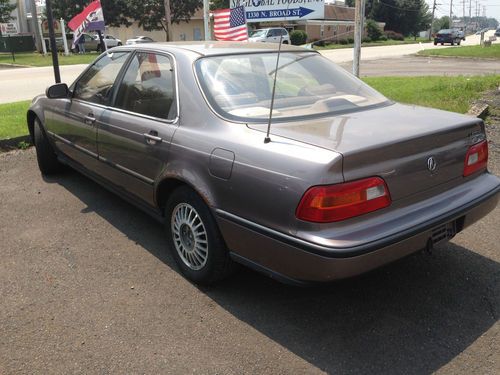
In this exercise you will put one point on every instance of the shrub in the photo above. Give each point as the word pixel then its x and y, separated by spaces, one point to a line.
pixel 366 40
pixel 342 41
pixel 350 40
pixel 298 37
pixel 372 30
pixel 393 35
pixel 383 38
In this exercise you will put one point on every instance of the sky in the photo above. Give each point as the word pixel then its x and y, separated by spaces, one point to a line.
pixel 443 7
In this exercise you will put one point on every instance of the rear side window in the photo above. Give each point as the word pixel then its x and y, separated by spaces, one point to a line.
pixel 148 87
pixel 95 85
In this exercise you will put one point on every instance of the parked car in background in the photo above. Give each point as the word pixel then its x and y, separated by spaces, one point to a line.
pixel 139 39
pixel 111 41
pixel 270 35
pixel 461 34
pixel 347 181
pixel 91 43
pixel 497 32
pixel 447 36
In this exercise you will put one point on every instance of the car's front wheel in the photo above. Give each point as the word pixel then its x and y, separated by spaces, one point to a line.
pixel 45 155
pixel 194 238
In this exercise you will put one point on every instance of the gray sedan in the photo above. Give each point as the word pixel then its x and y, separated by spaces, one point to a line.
pixel 339 181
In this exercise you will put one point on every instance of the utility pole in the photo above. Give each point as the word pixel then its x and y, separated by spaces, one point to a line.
pixel 168 19
pixel 34 25
pixel 206 18
pixel 451 13
pixel 358 32
pixel 470 14
pixel 432 20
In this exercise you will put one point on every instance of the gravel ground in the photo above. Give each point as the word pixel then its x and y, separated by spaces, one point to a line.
pixel 86 286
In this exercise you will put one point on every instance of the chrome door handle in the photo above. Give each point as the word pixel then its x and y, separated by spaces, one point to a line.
pixel 152 139
pixel 89 120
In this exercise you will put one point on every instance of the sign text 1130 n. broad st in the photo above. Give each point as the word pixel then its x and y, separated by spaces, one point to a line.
pixel 276 10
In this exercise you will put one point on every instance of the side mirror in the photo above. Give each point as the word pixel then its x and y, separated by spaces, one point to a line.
pixel 57 91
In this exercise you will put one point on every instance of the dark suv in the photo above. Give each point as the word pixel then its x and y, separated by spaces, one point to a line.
pixel 447 36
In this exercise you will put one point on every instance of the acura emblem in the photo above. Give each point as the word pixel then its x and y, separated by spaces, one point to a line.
pixel 431 164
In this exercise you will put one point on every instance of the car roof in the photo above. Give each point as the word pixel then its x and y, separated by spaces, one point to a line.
pixel 209 48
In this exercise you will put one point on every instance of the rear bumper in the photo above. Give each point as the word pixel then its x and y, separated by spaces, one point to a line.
pixel 292 259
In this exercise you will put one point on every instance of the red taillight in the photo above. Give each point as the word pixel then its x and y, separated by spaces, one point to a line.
pixel 476 158
pixel 324 204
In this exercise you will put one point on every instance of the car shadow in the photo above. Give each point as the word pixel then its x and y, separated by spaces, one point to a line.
pixel 412 316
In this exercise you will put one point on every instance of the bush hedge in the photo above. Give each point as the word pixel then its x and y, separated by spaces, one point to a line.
pixel 298 37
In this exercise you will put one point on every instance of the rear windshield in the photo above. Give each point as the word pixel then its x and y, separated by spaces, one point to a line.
pixel 239 87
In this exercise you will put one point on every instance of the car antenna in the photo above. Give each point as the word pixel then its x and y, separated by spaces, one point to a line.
pixel 268 139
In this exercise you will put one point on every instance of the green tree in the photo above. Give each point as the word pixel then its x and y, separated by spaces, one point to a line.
pixel 151 14
pixel 219 4
pixel 407 17
pixel 373 30
pixel 6 9
pixel 441 23
pixel 116 12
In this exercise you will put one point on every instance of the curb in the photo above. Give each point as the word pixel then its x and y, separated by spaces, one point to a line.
pixel 457 57
pixel 11 66
pixel 13 143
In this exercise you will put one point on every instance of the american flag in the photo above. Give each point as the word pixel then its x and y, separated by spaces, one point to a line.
pixel 230 24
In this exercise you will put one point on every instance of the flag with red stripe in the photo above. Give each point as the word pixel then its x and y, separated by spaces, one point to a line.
pixel 90 19
pixel 230 24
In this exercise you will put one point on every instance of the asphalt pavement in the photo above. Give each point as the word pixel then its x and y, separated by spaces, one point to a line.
pixel 87 286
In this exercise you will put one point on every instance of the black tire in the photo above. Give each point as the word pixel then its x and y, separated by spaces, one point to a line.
pixel 435 43
pixel 442 44
pixel 119 44
pixel 452 43
pixel 458 43
pixel 285 42
pixel 217 264
pixel 45 155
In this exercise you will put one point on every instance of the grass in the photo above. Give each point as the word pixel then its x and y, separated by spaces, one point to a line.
pixel 36 59
pixel 374 44
pixel 13 119
pixel 449 93
pixel 492 52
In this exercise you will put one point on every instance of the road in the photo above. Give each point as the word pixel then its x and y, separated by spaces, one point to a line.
pixel 87 287
pixel 25 83
pixel 425 66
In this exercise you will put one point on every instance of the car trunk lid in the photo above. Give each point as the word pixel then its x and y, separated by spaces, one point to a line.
pixel 414 149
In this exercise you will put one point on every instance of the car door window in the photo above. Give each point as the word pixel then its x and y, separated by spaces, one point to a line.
pixel 95 85
pixel 148 87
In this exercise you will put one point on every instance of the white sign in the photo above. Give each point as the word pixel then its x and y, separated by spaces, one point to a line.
pixel 9 28
pixel 281 10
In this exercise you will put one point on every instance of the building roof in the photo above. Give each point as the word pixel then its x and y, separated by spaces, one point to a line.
pixel 339 13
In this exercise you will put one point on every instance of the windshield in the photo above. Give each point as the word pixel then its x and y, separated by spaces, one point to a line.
pixel 239 87
pixel 258 33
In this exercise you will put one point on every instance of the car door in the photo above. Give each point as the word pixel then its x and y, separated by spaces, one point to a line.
pixel 134 137
pixel 73 122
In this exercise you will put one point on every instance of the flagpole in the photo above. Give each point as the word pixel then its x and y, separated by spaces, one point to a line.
pixel 206 19
pixel 52 36
pixel 168 19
